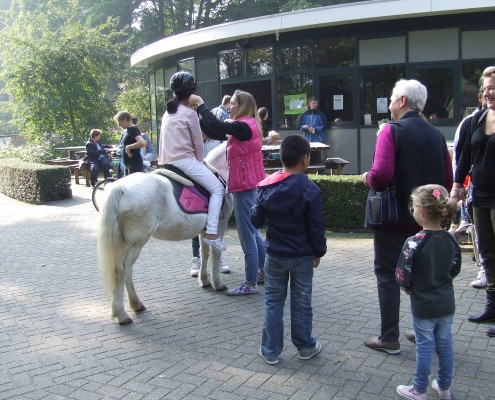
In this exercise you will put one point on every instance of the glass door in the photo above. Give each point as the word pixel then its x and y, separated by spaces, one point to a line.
pixel 337 96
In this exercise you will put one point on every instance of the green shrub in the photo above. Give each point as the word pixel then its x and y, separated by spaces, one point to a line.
pixel 344 201
pixel 35 153
pixel 34 183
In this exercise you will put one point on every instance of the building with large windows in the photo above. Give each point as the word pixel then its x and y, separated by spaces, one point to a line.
pixel 349 56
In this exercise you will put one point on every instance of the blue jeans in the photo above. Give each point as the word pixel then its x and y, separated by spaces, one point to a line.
pixel 252 242
pixel 101 164
pixel 433 335
pixel 279 272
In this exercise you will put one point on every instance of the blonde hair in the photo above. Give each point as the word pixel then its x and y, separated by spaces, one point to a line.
pixel 247 108
pixel 274 136
pixel 435 201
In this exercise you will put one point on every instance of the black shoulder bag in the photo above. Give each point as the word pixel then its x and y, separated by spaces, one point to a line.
pixel 381 206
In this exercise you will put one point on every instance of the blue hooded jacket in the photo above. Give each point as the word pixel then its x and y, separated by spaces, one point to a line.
pixel 290 205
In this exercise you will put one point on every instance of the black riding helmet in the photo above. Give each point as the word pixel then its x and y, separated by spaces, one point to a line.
pixel 182 81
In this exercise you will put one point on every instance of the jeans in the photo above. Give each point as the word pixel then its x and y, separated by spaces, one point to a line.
pixel 433 335
pixel 388 246
pixel 279 272
pixel 252 242
pixel 484 223
pixel 101 164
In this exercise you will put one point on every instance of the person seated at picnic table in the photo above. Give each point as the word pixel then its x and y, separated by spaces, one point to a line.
pixel 96 155
pixel 272 139
pixel 148 152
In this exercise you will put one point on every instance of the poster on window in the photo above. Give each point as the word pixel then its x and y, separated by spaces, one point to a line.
pixel 295 103
pixel 381 105
pixel 338 101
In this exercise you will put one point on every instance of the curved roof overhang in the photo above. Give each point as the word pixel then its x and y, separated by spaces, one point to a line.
pixel 343 14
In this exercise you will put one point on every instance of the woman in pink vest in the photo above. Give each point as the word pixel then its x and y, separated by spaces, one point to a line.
pixel 245 161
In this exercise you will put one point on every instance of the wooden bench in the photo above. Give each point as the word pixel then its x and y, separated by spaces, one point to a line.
pixel 74 167
pixel 336 164
pixel 311 169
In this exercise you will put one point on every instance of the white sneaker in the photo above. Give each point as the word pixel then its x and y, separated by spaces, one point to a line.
pixel 224 268
pixel 443 393
pixel 217 243
pixel 196 264
pixel 480 281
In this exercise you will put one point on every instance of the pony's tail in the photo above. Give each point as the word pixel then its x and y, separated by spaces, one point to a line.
pixel 111 251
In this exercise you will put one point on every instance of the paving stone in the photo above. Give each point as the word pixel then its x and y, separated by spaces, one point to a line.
pixel 57 340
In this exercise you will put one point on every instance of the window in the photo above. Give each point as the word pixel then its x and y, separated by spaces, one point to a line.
pixel 337 97
pixel 439 82
pixel 154 124
pixel 208 86
pixel 377 84
pixel 292 59
pixel 260 61
pixel 291 84
pixel 336 53
pixel 187 65
pixel 231 64
pixel 207 69
pixel 470 76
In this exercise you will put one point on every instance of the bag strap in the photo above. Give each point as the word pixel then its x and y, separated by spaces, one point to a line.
pixel 395 139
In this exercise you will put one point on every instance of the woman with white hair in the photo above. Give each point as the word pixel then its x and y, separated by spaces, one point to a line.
pixel 417 153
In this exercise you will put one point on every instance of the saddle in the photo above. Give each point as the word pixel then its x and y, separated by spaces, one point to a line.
pixel 190 195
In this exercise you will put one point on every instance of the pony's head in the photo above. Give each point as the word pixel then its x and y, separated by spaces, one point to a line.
pixel 217 157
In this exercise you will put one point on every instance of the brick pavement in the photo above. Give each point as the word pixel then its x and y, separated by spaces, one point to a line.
pixel 57 341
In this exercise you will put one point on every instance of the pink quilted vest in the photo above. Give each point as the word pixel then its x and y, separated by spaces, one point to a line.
pixel 245 159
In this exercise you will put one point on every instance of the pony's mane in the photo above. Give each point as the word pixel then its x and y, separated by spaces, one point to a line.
pixel 217 157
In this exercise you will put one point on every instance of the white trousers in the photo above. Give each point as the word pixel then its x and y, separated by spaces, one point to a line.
pixel 201 174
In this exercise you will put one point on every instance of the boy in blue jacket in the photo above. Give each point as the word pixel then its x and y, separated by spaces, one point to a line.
pixel 290 205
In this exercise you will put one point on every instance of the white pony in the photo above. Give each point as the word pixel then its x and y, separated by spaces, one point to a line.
pixel 139 206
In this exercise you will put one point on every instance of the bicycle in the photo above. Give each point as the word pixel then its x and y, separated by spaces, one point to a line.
pixel 98 194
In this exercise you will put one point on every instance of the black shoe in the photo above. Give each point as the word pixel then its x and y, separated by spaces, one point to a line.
pixel 485 316
pixel 491 332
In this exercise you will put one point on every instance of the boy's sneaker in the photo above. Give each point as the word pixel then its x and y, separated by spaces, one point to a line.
pixel 261 277
pixel 309 352
pixel 408 392
pixel 269 359
pixel 374 342
pixel 444 394
pixel 216 243
pixel 242 289
pixel 480 281
pixel 196 264
pixel 411 336
pixel 224 268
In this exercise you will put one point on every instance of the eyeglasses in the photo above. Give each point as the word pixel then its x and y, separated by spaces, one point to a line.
pixel 411 208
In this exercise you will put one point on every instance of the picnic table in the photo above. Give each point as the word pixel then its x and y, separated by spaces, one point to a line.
pixel 71 151
pixel 315 166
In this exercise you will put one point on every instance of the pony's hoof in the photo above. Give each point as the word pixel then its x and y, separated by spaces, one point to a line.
pixel 206 285
pixel 126 321
pixel 140 309
pixel 221 288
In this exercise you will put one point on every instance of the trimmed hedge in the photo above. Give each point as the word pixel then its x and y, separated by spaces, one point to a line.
pixel 34 183
pixel 344 201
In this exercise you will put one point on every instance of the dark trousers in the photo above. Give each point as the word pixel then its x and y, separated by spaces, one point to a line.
pixel 195 246
pixel 484 223
pixel 388 246
pixel 101 165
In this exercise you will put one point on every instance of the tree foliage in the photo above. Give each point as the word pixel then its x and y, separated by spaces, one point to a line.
pixel 55 73
pixel 66 63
